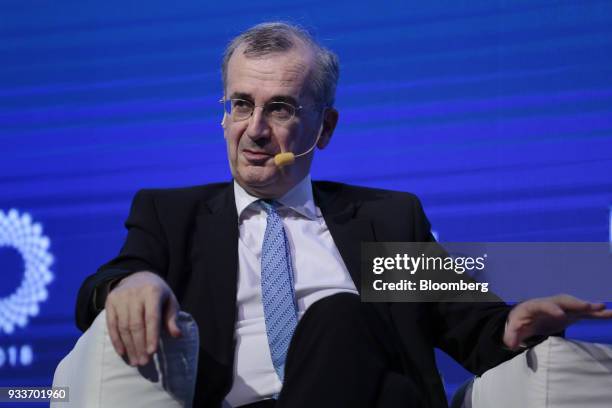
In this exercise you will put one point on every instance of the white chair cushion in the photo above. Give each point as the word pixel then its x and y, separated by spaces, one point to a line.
pixel 556 373
pixel 98 377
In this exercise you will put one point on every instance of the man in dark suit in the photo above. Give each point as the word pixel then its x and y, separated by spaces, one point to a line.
pixel 269 264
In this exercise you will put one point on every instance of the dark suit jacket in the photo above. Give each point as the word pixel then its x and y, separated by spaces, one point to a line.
pixel 190 237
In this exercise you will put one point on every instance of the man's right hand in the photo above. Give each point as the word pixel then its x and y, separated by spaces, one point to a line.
pixel 135 310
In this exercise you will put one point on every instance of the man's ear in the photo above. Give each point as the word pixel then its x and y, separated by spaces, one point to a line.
pixel 330 120
pixel 224 124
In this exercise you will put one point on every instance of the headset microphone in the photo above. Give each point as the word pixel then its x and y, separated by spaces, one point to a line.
pixel 284 159
pixel 287 158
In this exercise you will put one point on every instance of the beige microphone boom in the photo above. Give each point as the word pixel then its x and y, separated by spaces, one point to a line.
pixel 284 159
pixel 288 158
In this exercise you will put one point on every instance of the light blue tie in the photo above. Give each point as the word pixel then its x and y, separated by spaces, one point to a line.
pixel 277 291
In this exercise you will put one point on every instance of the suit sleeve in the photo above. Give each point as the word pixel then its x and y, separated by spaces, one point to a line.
pixel 145 249
pixel 470 332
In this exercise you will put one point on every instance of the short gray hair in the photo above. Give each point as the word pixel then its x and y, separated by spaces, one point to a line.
pixel 268 38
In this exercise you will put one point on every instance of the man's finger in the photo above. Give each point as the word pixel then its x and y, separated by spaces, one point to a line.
pixel 123 324
pixel 152 322
pixel 137 329
pixel 571 303
pixel 599 314
pixel 113 332
pixel 171 311
pixel 511 339
pixel 551 308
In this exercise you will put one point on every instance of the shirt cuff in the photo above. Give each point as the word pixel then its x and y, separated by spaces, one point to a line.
pixel 100 294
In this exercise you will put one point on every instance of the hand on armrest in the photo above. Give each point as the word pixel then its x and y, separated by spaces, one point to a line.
pixel 135 309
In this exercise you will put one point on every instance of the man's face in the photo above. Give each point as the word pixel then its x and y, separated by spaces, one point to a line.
pixel 253 143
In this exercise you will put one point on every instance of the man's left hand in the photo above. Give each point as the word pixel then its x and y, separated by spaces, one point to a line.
pixel 545 316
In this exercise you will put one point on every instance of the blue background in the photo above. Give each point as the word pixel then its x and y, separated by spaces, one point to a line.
pixel 498 114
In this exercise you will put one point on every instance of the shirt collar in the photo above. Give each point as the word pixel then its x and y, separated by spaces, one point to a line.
pixel 299 199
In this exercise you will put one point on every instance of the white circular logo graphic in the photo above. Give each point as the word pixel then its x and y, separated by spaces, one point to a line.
pixel 17 231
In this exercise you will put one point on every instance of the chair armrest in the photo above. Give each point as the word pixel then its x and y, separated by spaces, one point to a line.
pixel 557 373
pixel 98 377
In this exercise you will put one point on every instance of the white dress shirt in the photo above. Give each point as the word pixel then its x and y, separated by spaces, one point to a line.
pixel 318 268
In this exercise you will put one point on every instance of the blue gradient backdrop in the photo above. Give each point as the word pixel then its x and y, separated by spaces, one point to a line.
pixel 498 114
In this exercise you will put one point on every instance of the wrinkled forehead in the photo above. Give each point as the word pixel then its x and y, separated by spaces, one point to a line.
pixel 284 73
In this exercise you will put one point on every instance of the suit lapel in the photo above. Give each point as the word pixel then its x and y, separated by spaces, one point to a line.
pixel 348 228
pixel 216 262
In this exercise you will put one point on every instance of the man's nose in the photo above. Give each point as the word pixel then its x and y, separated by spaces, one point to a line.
pixel 258 125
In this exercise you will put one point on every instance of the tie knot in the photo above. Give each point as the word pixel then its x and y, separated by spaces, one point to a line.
pixel 269 206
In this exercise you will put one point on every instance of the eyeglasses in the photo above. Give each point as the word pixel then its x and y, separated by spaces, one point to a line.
pixel 240 109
